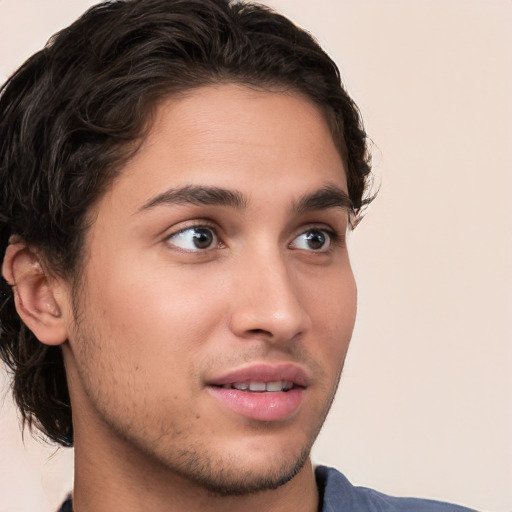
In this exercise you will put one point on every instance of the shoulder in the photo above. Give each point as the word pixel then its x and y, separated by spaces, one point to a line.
pixel 340 495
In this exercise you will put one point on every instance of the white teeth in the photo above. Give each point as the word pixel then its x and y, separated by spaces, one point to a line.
pixel 275 386
pixel 257 386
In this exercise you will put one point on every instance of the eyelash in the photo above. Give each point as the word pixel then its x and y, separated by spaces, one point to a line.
pixel 334 238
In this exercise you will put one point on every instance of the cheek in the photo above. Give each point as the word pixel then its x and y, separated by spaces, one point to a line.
pixel 331 299
pixel 333 311
pixel 158 307
pixel 146 332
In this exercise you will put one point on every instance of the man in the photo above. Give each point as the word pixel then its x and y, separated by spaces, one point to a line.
pixel 178 178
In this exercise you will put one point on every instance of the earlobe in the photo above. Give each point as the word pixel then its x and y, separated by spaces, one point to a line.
pixel 36 294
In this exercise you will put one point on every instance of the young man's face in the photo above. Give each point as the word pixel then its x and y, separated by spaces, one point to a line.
pixel 216 262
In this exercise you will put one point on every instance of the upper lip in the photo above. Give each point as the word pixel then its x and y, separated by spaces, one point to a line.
pixel 264 372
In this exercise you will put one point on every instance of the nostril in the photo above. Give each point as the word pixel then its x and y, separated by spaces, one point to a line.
pixel 261 332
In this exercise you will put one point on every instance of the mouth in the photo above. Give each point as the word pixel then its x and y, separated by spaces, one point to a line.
pixel 262 392
pixel 261 387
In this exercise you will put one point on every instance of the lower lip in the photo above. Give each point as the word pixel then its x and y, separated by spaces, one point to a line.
pixel 261 406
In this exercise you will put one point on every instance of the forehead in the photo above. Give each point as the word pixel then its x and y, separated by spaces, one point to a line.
pixel 242 110
pixel 234 137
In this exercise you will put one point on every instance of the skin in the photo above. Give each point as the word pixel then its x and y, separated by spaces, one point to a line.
pixel 157 319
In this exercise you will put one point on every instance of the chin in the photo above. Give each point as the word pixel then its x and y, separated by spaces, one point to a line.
pixel 237 478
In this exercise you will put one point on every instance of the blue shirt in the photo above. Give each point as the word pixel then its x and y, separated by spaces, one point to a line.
pixel 339 495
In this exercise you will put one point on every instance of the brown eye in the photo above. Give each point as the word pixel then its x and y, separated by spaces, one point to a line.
pixel 202 238
pixel 313 240
pixel 196 238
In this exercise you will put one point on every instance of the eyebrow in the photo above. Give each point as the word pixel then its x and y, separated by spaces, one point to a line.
pixel 327 197
pixel 198 195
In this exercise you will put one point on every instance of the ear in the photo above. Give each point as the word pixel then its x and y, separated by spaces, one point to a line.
pixel 38 296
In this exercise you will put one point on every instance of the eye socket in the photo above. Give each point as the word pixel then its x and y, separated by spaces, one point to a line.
pixel 317 240
pixel 195 238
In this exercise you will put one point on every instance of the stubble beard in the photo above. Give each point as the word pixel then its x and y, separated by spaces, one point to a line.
pixel 221 478
pixel 216 473
pixel 197 464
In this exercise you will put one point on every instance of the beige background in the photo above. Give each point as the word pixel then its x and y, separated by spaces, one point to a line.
pixel 425 406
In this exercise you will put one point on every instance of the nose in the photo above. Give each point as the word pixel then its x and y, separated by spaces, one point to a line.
pixel 268 300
